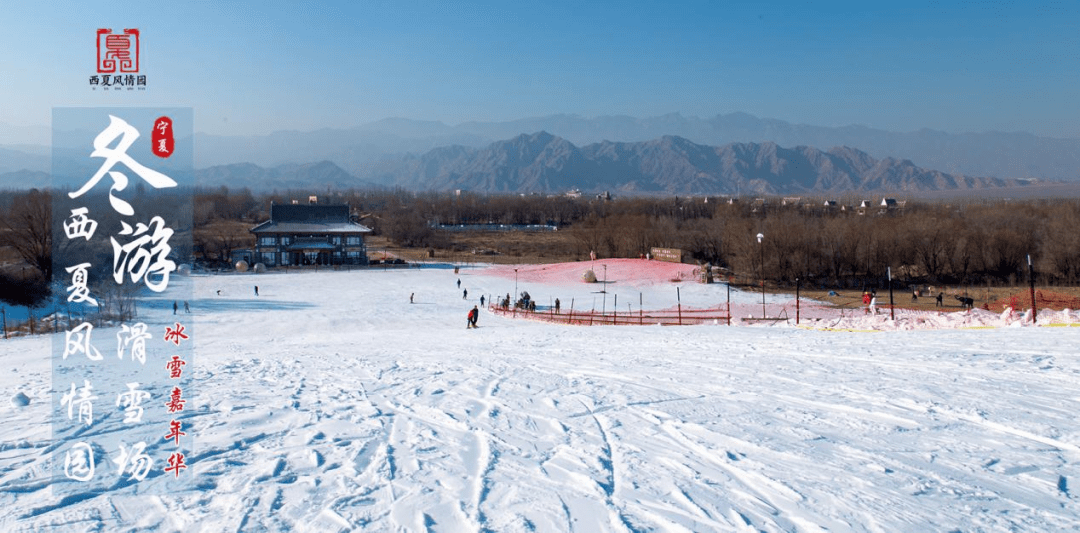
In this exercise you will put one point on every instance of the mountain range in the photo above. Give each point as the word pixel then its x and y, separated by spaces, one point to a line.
pixel 544 163
pixel 357 149
pixel 993 154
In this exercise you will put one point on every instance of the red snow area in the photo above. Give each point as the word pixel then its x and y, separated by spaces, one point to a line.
pixel 623 271
pixel 1043 300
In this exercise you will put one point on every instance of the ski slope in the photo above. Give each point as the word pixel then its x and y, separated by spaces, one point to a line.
pixel 330 403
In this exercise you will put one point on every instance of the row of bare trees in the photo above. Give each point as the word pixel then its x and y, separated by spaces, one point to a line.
pixel 933 243
pixel 974 242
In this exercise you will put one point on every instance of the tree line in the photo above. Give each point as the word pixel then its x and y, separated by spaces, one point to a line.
pixel 972 242
pixel 967 242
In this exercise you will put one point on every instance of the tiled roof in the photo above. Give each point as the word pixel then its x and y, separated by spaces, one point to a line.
pixel 291 218
pixel 310 227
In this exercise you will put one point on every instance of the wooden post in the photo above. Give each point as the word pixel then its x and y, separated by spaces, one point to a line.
pixel 615 311
pixel 892 308
pixel 1031 278
pixel 729 302
pixel 3 313
pixel 570 319
pixel 678 297
pixel 798 285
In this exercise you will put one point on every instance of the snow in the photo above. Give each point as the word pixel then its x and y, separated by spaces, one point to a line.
pixel 330 403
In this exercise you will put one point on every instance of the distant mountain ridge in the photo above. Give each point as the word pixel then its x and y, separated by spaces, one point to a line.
pixel 290 176
pixel 542 162
pixel 545 163
pixel 995 154
pixel 357 149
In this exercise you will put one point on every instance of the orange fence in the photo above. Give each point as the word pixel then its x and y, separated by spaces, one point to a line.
pixel 678 317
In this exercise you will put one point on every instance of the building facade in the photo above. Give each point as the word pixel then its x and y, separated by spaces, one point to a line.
pixel 298 235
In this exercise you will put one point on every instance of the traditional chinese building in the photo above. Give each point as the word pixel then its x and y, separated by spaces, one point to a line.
pixel 310 235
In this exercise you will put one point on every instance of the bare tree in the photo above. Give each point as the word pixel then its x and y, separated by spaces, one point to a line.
pixel 28 230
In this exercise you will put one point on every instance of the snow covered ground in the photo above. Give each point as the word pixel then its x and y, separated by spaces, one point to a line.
pixel 330 403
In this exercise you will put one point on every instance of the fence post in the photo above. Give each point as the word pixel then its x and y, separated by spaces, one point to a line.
pixel 1031 277
pixel 892 307
pixel 3 313
pixel 729 302
pixel 678 297
pixel 570 319
pixel 615 312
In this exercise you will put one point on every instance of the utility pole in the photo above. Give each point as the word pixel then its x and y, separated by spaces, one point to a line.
pixel 761 250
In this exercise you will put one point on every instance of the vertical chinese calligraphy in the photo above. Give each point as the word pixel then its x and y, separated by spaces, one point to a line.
pixel 116 249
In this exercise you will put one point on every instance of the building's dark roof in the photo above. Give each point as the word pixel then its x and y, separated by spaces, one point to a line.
pixel 296 218
pixel 308 213
pixel 310 227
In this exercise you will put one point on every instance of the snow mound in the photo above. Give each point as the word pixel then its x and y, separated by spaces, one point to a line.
pixel 20 400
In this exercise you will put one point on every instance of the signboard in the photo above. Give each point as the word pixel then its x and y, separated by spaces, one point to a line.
pixel 671 255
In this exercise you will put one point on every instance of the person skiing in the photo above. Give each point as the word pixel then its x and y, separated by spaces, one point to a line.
pixel 465 294
pixel 481 299
pixel 473 315
pixel 459 283
pixel 187 309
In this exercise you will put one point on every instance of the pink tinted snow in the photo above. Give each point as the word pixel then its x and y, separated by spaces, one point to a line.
pixel 635 272
pixel 641 272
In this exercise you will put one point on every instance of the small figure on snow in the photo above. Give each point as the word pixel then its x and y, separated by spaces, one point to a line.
pixel 186 308
pixel 473 315
pixel 256 290
pixel 965 302
pixel 411 294
pixel 459 283
pixel 873 305
pixel 556 306
pixel 465 294
pixel 481 300
pixel 174 307
pixel 938 303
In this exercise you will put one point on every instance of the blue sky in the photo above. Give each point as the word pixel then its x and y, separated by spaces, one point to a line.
pixel 257 67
